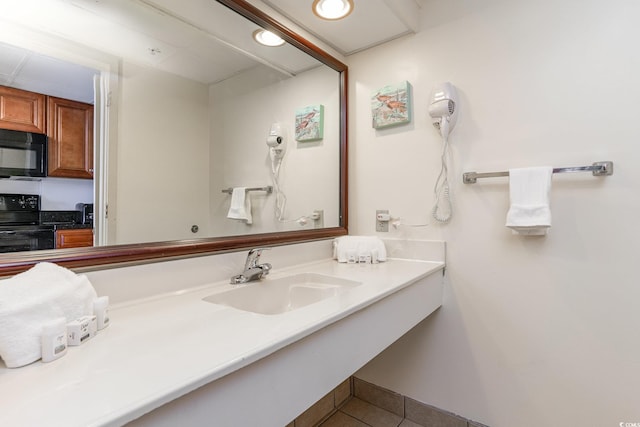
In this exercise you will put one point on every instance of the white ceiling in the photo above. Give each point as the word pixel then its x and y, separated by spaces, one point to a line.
pixel 25 69
pixel 371 23
pixel 200 40
pixel 197 39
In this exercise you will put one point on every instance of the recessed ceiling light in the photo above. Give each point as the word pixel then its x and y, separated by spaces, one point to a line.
pixel 267 38
pixel 332 9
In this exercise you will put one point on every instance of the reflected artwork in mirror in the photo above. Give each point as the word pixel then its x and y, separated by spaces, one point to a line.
pixel 189 113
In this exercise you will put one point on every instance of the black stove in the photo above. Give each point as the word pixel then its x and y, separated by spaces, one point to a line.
pixel 20 227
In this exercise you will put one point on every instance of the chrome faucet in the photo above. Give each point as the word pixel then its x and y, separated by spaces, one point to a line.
pixel 252 270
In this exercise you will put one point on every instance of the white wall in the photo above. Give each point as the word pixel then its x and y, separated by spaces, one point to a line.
pixel 55 193
pixel 163 157
pixel 533 331
pixel 243 110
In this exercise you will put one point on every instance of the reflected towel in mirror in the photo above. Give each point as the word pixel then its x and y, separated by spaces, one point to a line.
pixel 240 208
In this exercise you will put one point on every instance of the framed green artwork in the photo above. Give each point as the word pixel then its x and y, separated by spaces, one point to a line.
pixel 310 123
pixel 391 106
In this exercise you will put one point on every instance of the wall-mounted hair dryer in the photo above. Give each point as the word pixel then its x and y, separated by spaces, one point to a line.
pixel 276 141
pixel 443 107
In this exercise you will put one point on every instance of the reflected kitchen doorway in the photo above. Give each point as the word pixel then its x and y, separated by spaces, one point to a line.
pixel 70 75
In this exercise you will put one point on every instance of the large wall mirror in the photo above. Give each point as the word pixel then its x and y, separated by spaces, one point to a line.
pixel 186 103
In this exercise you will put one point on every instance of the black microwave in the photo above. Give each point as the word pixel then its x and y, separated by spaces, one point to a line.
pixel 23 153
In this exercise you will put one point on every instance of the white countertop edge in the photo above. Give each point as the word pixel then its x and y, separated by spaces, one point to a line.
pixel 132 409
pixel 253 356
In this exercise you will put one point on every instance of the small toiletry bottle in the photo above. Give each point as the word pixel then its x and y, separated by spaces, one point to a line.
pixel 364 258
pixel 81 330
pixel 374 256
pixel 351 257
pixel 101 311
pixel 54 339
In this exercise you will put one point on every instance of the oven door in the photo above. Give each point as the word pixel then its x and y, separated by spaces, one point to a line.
pixel 18 240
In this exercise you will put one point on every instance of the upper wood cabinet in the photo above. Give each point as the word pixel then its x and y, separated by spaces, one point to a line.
pixel 22 110
pixel 70 132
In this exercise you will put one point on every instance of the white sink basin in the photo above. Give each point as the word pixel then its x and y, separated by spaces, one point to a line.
pixel 276 296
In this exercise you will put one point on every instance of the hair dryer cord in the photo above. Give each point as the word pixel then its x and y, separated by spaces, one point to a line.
pixel 442 208
pixel 280 198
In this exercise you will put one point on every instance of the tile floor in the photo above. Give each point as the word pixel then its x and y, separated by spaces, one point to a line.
pixel 358 413
pixel 357 403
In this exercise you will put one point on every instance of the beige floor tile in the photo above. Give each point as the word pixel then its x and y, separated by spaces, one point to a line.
pixel 428 416
pixel 378 396
pixel 340 419
pixel 342 393
pixel 409 423
pixel 370 414
pixel 316 413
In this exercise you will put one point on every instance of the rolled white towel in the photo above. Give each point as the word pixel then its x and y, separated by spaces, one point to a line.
pixel 33 298
pixel 358 245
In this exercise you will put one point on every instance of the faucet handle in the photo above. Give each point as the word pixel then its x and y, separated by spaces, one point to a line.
pixel 266 268
pixel 253 257
pixel 257 251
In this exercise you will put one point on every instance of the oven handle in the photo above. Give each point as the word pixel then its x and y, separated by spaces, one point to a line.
pixel 7 232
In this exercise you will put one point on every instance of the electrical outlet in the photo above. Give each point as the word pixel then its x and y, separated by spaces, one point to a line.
pixel 382 226
pixel 318 218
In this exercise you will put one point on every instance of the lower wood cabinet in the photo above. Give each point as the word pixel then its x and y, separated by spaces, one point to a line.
pixel 74 238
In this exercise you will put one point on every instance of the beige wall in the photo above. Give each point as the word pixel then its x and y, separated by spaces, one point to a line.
pixel 244 108
pixel 163 157
pixel 533 331
pixel 180 143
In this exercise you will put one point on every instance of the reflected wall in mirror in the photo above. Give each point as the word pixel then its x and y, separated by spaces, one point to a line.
pixel 184 103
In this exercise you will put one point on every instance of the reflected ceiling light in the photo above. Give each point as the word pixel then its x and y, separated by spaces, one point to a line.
pixel 332 9
pixel 267 38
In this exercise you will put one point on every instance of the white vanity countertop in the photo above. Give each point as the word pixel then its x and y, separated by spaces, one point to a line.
pixel 160 348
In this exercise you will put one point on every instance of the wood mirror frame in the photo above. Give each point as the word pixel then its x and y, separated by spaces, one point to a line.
pixel 105 256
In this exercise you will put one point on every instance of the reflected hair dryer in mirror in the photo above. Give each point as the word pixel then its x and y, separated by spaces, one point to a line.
pixel 277 147
pixel 276 141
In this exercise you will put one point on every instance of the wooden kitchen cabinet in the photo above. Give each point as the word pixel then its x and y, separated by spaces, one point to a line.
pixel 70 132
pixel 74 238
pixel 22 110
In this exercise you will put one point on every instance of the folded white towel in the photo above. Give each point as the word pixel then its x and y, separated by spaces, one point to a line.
pixel 529 188
pixel 358 245
pixel 33 298
pixel 240 205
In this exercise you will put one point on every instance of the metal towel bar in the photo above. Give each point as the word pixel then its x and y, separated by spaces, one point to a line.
pixel 268 189
pixel 597 169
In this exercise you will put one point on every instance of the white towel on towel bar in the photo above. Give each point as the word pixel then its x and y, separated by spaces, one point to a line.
pixel 529 189
pixel 240 205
